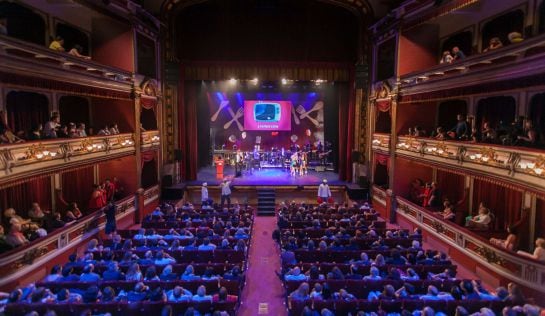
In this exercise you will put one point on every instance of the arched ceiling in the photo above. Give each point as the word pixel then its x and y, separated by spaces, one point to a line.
pixel 372 9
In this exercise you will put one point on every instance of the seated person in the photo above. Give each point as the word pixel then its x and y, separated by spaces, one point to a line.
pixel 482 220
pixel 15 237
pixel 529 137
pixel 489 134
pixel 167 274
pixel 201 295
pixel 447 58
pixel 140 293
pixel 539 252
pixel 88 275
pixel 493 44
pixel 295 275
pixel 36 214
pixel 179 294
pixel 431 295
pixel 448 213
pixel 374 274
pixel 113 273
pixel 222 296
pixel 302 292
pixel 189 274
pixel 510 243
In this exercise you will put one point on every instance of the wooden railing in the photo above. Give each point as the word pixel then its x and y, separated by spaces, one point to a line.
pixel 524 271
pixel 379 195
pixel 150 140
pixel 20 261
pixel 24 159
pixel 516 164
pixel 381 142
pixel 512 60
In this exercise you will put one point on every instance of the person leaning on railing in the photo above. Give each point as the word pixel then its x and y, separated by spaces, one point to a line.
pixel 539 251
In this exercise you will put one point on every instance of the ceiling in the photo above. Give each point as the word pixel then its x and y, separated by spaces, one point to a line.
pixel 374 8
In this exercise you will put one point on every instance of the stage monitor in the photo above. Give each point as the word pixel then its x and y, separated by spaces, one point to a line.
pixel 267 115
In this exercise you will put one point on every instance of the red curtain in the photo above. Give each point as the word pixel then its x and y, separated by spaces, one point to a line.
pixel 77 186
pixel 346 128
pixel 21 196
pixel 540 218
pixel 451 185
pixel 187 105
pixel 505 203
pixel 148 102
pixel 384 105
pixel 25 110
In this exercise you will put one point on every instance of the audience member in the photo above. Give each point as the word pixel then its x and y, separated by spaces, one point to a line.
pixel 57 44
pixel 539 251
pixel 493 44
pixel 457 54
pixel 510 243
pixel 446 58
pixel 77 51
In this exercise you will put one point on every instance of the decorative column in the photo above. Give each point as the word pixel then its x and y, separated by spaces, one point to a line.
pixel 391 171
pixel 138 205
pixel 138 140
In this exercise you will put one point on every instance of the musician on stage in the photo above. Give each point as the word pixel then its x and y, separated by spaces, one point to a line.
pixel 293 165
pixel 303 160
pixel 324 193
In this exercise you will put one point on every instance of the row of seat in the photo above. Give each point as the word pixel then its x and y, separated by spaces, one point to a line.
pixel 198 268
pixel 421 269
pixel 189 256
pixel 120 309
pixel 384 307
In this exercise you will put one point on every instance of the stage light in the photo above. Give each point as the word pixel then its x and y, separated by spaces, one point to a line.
pixel 233 81
pixel 284 81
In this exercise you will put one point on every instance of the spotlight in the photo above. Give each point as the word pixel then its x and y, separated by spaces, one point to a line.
pixel 233 81
pixel 284 81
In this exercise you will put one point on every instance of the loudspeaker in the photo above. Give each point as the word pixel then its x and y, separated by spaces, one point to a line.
pixel 167 181
pixel 178 154
pixel 356 156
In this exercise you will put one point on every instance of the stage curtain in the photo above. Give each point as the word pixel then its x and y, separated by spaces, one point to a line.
pixel 77 186
pixel 451 185
pixel 346 129
pixel 21 196
pixel 148 103
pixel 505 203
pixel 187 124
pixel 383 160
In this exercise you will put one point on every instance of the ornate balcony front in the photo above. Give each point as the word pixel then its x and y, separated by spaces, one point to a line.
pixel 524 59
pixel 516 164
pixel 524 271
pixel 381 142
pixel 27 159
pixel 150 140
pixel 28 64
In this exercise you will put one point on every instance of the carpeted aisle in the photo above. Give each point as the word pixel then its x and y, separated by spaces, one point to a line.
pixel 263 293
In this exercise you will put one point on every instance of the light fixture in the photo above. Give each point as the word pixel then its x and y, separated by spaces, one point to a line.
pixel 255 81
pixel 53 154
pixel 478 156
pixel 89 147
pixel 39 156
pixel 523 165
pixel 472 157
pixel 538 171
pixel 531 165
pixel 45 152
pixel 233 81
pixel 284 81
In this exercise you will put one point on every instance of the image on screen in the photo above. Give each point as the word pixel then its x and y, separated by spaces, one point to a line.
pixel 267 115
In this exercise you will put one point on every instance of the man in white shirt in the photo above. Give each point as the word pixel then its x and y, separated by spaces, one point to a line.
pixel 225 192
pixel 51 127
pixel 324 193
pixel 204 193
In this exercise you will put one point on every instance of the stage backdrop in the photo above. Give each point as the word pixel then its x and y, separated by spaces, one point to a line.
pixel 311 111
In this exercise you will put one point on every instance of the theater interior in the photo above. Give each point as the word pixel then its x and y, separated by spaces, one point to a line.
pixel 272 157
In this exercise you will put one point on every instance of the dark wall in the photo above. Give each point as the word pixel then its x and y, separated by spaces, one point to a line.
pixel 283 30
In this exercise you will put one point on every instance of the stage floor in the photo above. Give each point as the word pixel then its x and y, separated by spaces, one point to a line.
pixel 267 177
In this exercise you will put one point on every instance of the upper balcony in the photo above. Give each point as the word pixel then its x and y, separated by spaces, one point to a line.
pixel 26 159
pixel 21 60
pixel 150 140
pixel 524 59
pixel 516 164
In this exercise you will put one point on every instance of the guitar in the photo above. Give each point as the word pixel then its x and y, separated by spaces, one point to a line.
pixel 325 153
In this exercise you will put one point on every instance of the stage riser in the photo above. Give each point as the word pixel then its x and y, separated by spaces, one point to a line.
pixel 248 194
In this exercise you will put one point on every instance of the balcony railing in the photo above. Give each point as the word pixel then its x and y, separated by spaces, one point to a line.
pixel 381 142
pixel 24 159
pixel 31 59
pixel 150 140
pixel 517 164
pixel 523 271
pixel 515 60
pixel 19 262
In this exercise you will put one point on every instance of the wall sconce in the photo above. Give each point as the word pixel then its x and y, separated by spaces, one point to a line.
pixel 39 156
pixel 375 141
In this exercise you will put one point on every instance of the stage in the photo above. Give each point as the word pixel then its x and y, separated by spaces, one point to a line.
pixel 267 177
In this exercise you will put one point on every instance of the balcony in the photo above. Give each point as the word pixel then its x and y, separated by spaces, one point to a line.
pixel 26 159
pixel 150 140
pixel 523 271
pixel 516 164
pixel 20 262
pixel 23 59
pixel 381 143
pixel 516 60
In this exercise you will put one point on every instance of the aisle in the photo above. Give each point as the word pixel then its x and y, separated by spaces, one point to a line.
pixel 263 293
